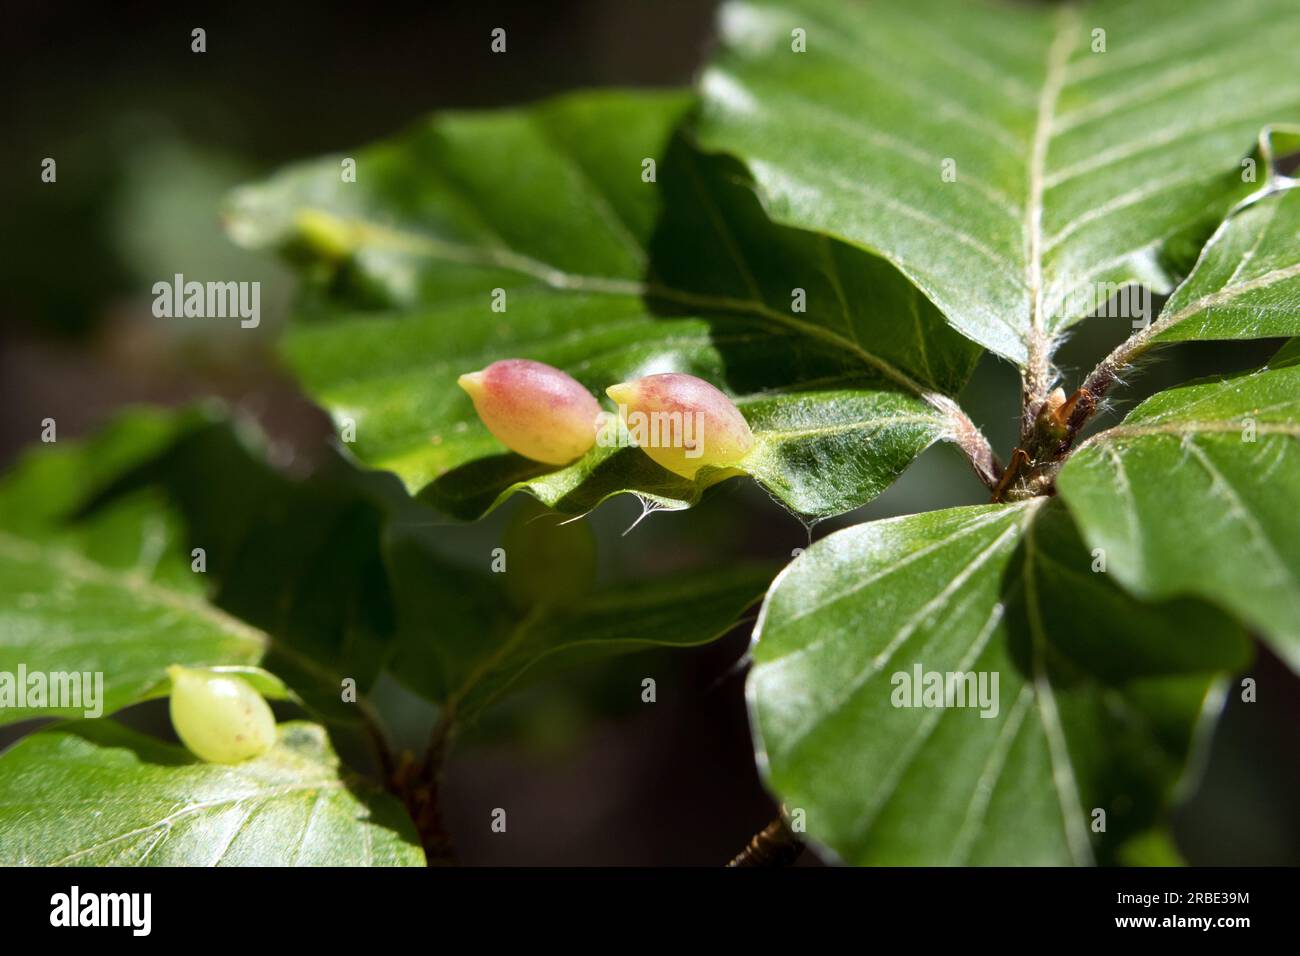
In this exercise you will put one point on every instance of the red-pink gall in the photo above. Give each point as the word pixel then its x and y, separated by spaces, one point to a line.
pixel 534 409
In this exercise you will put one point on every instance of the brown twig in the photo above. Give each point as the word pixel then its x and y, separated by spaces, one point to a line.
pixel 418 784
pixel 774 845
pixel 1019 462
pixel 1131 349
pixel 374 730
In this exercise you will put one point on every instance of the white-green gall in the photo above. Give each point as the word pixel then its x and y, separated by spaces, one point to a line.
pixel 219 717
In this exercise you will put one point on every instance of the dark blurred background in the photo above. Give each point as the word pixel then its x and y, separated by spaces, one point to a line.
pixel 149 136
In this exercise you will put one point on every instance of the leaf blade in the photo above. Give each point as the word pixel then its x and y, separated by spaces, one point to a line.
pixel 1247 281
pixel 1067 180
pixel 95 793
pixel 487 645
pixel 684 273
pixel 964 591
pixel 78 595
pixel 1227 446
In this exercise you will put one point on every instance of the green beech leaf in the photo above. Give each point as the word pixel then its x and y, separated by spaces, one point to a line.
pixel 1097 705
pixel 1287 354
pixel 841 367
pixel 92 793
pixel 1247 282
pixel 112 594
pixel 97 552
pixel 1085 144
pixel 297 556
pixel 1197 473
pixel 464 643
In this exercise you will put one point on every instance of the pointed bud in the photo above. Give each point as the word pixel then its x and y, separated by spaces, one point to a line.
pixel 534 410
pixel 219 717
pixel 1077 409
pixel 1054 401
pixel 1049 415
pixel 682 422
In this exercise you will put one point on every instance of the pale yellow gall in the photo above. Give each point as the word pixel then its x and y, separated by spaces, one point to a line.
pixel 682 422
pixel 219 717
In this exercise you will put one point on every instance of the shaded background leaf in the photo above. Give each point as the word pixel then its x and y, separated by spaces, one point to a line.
pixel 464 642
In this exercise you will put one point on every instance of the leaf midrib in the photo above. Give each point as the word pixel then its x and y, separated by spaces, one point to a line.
pixel 1054 78
pixel 60 558
pixel 556 278
pixel 258 799
pixel 1064 778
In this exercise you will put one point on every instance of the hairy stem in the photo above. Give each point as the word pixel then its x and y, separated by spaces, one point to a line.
pixel 774 845
pixel 970 440
pixel 1108 370
pixel 1038 367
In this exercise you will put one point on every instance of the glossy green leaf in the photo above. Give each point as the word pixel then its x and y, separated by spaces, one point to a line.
pixel 1017 161
pixel 297 556
pixel 112 594
pixel 1195 493
pixel 92 793
pixel 1247 282
pixel 839 364
pixel 98 554
pixel 1097 701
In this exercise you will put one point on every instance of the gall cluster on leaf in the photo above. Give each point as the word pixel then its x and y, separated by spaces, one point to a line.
pixel 682 422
